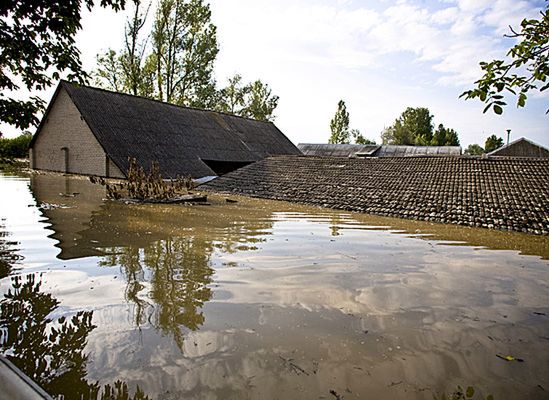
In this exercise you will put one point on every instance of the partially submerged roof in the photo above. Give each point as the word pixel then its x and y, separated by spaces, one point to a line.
pixel 521 147
pixel 372 150
pixel 505 193
pixel 179 138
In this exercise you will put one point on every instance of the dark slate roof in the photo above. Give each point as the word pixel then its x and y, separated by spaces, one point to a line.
pixel 177 137
pixel 521 148
pixel 372 150
pixel 502 193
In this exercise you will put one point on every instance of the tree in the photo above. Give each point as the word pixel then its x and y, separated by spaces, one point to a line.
pixel 185 47
pixel 134 55
pixel 396 134
pixel 413 127
pixel 260 102
pixel 493 143
pixel 37 45
pixel 17 147
pixel 445 137
pixel 253 100
pixel 339 125
pixel 527 69
pixel 359 139
pixel 474 150
pixel 232 98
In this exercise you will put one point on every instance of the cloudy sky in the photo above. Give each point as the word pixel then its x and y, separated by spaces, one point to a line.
pixel 378 56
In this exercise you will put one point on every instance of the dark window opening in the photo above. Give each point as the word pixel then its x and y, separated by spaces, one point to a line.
pixel 224 167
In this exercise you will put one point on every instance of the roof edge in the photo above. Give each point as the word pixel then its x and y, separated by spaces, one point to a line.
pixel 517 141
pixel 76 85
pixel 45 116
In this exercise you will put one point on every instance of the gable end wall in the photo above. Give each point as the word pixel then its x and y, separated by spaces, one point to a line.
pixel 64 128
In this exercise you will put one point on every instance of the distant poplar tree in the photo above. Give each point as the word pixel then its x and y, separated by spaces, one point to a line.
pixel 339 125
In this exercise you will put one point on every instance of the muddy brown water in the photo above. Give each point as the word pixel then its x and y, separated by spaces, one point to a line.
pixel 263 300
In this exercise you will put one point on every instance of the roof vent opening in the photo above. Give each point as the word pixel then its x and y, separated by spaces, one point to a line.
pixel 224 167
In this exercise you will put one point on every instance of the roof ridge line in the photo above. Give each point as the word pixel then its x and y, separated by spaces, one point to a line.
pixel 77 85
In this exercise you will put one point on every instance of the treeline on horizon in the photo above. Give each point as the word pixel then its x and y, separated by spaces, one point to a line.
pixel 414 127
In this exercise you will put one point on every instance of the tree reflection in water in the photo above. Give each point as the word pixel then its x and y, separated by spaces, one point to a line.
pixel 8 254
pixel 180 275
pixel 51 352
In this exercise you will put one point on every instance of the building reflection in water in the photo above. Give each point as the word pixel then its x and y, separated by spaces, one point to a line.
pixel 164 252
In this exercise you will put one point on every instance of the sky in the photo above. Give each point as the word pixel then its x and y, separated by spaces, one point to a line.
pixel 379 56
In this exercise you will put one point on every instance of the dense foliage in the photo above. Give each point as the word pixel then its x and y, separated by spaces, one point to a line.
pixel 175 63
pixel 526 69
pixel 415 127
pixel 492 143
pixel 15 148
pixel 36 46
pixel 474 150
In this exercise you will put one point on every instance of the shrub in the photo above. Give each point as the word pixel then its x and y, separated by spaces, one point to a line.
pixel 15 148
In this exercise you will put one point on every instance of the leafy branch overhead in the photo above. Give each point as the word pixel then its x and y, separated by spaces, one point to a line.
pixel 36 46
pixel 527 69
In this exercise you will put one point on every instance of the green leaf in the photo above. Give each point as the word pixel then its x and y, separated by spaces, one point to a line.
pixel 498 110
pixel 521 100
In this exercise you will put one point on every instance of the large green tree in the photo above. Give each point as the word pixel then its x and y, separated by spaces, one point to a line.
pixel 339 125
pixel 445 137
pixel 36 47
pixel 413 127
pixel 184 42
pixel 525 70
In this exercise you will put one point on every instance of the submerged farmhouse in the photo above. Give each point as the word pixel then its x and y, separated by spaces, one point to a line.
pixel 92 131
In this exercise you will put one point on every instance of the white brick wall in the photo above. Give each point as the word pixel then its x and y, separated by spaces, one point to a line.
pixel 65 128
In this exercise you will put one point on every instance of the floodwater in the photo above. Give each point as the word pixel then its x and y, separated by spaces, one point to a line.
pixel 263 300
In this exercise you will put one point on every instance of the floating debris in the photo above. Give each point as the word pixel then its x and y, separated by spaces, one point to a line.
pixel 509 358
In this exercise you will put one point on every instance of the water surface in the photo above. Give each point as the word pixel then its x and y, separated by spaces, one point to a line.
pixel 263 300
